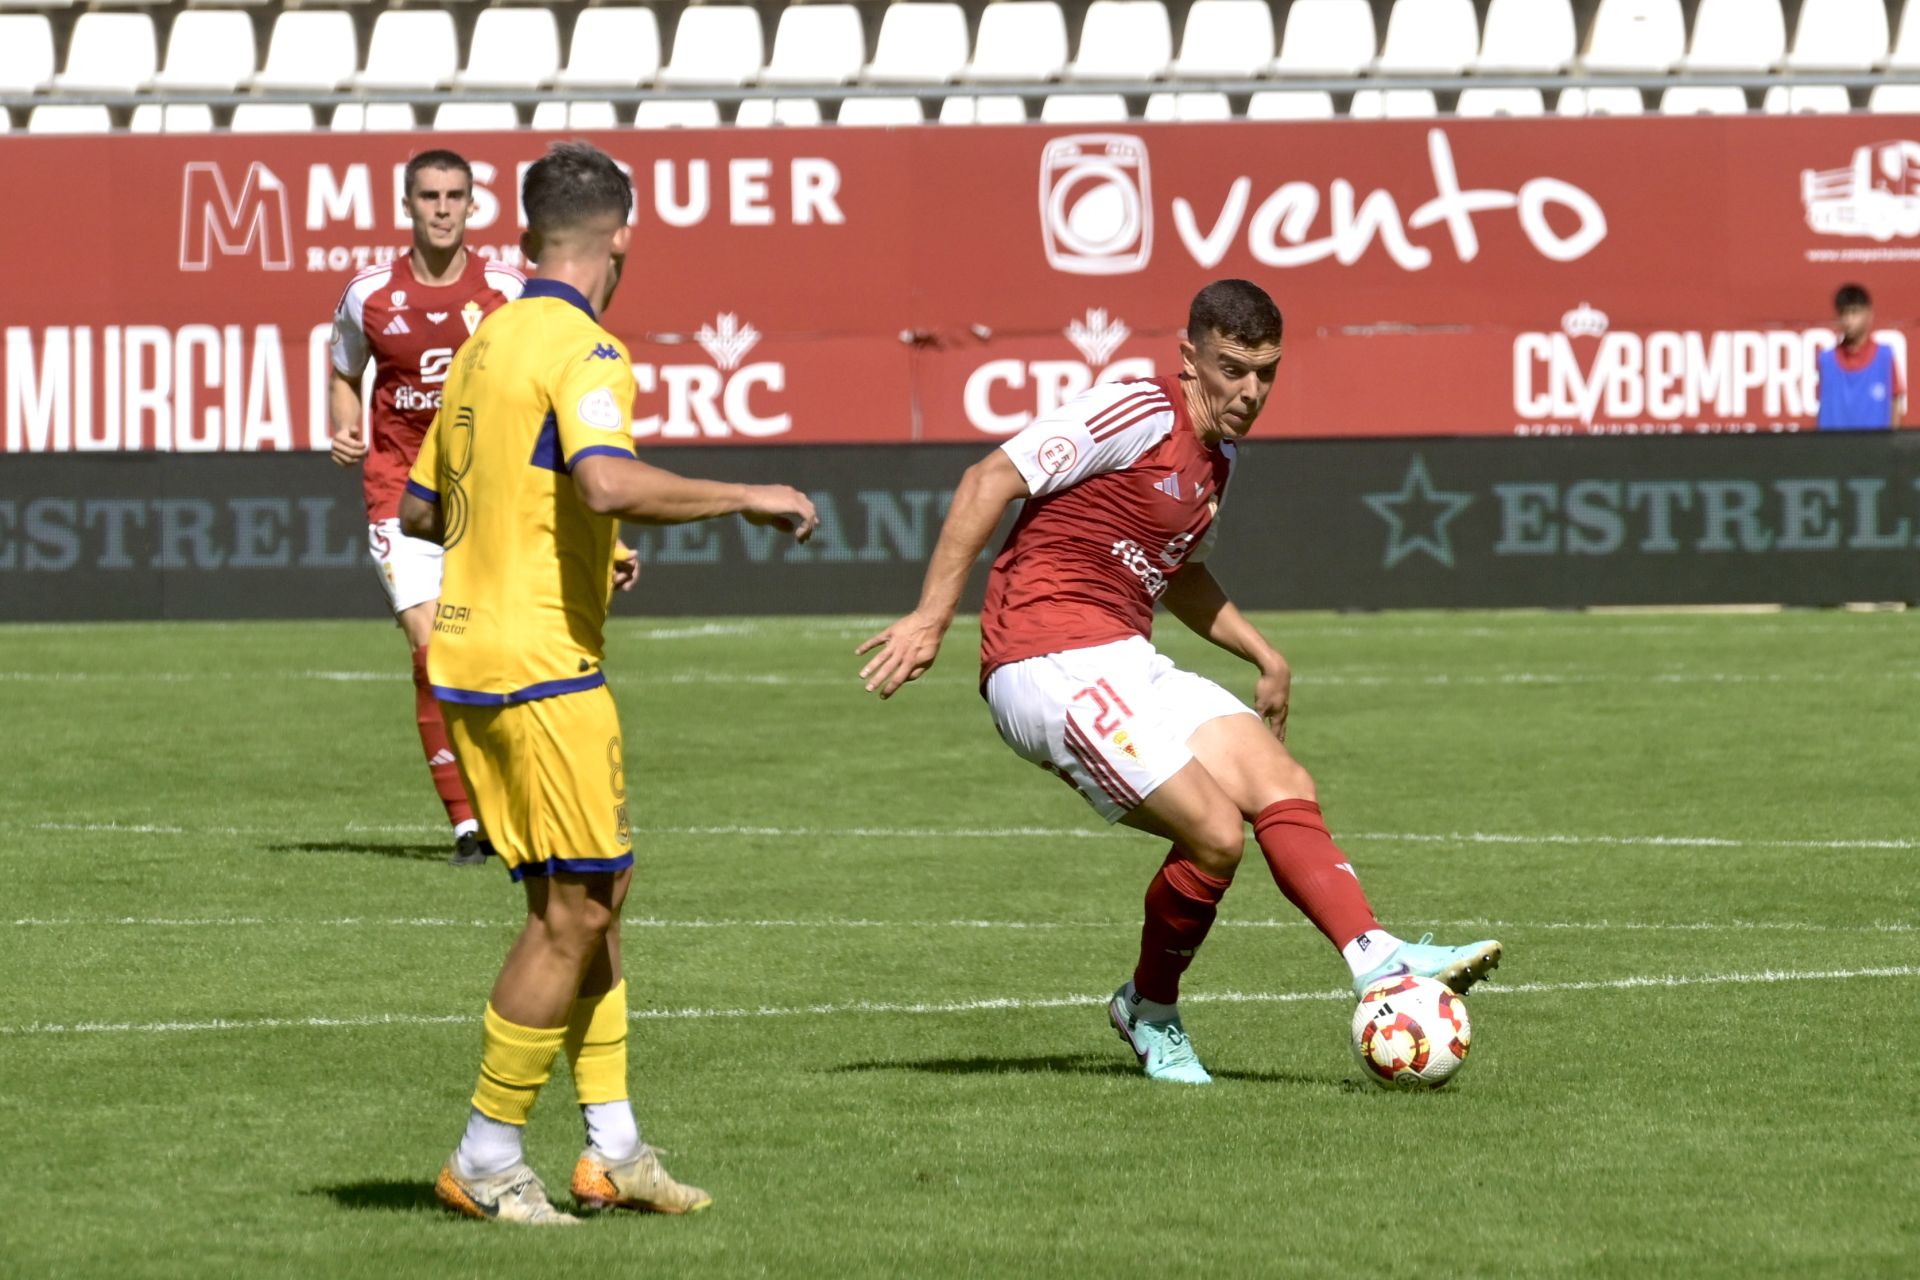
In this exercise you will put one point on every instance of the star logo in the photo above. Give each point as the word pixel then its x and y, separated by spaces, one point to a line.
pixel 1417 516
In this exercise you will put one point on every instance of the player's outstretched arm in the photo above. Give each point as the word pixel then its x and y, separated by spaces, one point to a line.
pixel 343 409
pixel 1197 599
pixel 909 646
pixel 643 494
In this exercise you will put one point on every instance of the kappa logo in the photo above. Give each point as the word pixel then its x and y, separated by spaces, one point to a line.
pixel 604 351
pixel 1097 335
pixel 716 400
pixel 396 327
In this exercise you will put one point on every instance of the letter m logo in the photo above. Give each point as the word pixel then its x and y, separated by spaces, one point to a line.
pixel 214 219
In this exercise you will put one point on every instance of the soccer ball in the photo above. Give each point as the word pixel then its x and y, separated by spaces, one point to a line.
pixel 1410 1033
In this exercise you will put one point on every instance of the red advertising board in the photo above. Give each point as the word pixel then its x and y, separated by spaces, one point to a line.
pixel 945 284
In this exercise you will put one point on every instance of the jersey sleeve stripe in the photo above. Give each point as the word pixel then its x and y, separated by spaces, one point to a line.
pixel 421 492
pixel 1115 428
pixel 592 450
pixel 1122 405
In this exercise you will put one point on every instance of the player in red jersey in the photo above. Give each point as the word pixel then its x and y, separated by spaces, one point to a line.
pixel 1121 487
pixel 408 317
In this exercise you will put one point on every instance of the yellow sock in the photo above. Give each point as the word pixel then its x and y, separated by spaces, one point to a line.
pixel 514 1062
pixel 597 1046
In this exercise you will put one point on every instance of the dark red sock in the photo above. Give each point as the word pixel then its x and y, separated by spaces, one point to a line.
pixel 433 740
pixel 1181 903
pixel 1311 870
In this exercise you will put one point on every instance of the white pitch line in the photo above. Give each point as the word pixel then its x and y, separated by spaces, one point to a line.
pixel 989 1004
pixel 1710 842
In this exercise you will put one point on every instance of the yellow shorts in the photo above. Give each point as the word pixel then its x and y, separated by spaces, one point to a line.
pixel 547 781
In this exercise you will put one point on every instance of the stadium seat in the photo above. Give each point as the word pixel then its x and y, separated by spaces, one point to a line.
pixel 920 44
pixel 310 49
pixel 26 52
pixel 612 49
pixel 677 113
pixel 1019 40
pixel 512 49
pixel 107 53
pixel 6 120
pixel 1807 99
pixel 1527 35
pixel 764 113
pixel 411 49
pixel 1635 35
pixel 996 108
pixel 817 44
pixel 62 117
pixel 1327 38
pixel 574 115
pixel 372 117
pixel 1906 44
pixel 1123 40
pixel 1839 35
pixel 881 111
pixel 1895 99
pixel 272 117
pixel 1430 37
pixel 1393 104
pixel 1187 108
pixel 1481 103
pixel 715 44
pixel 171 117
pixel 1610 100
pixel 1297 104
pixel 475 117
pixel 1703 100
pixel 1225 39
pixel 208 49
pixel 1736 35
pixel 1083 108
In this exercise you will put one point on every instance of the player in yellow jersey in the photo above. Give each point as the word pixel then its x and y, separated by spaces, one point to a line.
pixel 523 478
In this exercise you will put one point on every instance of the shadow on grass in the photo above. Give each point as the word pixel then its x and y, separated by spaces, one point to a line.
pixel 1056 1064
pixel 384 1195
pixel 406 852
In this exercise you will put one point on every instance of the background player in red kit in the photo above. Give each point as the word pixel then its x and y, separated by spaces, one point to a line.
pixel 408 317
pixel 1122 486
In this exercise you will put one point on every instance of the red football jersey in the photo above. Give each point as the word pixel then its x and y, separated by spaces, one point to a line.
pixel 1124 494
pixel 410 332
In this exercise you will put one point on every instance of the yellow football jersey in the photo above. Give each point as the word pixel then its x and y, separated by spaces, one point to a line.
pixel 528 568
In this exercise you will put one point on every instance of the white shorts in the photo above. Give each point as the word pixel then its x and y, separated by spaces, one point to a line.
pixel 1112 720
pixel 409 567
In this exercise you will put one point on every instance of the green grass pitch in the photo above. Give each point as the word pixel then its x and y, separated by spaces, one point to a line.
pixel 867 949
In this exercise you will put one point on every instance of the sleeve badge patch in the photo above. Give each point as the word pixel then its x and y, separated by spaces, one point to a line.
pixel 597 408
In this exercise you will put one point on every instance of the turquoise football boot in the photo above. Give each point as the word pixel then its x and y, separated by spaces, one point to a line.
pixel 1164 1051
pixel 1458 967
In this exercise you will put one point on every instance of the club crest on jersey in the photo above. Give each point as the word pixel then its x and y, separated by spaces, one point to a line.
pixel 471 315
pixel 1124 741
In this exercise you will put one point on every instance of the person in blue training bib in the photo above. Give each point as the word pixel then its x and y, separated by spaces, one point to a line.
pixel 1860 384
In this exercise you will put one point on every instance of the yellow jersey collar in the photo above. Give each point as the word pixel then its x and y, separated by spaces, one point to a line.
pixel 539 287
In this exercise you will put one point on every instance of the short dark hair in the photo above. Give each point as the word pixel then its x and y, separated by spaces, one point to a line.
pixel 1851 295
pixel 573 183
pixel 438 158
pixel 1237 309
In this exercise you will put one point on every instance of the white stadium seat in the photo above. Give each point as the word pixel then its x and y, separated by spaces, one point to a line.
pixel 1295 104
pixel 1703 100
pixel 1527 35
pixel 1019 40
pixel 1123 40
pixel 1807 99
pixel 372 117
pixel 63 117
pixel 1083 108
pixel 1608 100
pixel 310 49
pixel 1430 37
pixel 575 115
pixel 475 117
pixel 171 117
pixel 411 49
pixel 272 117
pixel 1225 39
pixel 208 49
pixel 1327 38
pixel 997 108
pixel 1736 35
pixel 881 111
pixel 616 48
pixel 1906 44
pixel 1636 35
pixel 680 113
pixel 1839 35
pixel 1188 108
pixel 817 44
pixel 26 52
pixel 1895 99
pixel 1481 103
pixel 6 120
pixel 1393 104
pixel 107 53
pixel 920 44
pixel 512 49
pixel 765 113
pixel 715 44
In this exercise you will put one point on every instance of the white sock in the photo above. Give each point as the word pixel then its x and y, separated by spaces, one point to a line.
pixel 1366 952
pixel 489 1146
pixel 462 828
pixel 1148 1010
pixel 611 1128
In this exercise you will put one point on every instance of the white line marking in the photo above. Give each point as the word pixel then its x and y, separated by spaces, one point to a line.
pixel 990 1004
pixel 1711 842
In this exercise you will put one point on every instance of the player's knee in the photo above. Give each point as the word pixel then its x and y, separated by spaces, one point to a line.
pixel 1215 845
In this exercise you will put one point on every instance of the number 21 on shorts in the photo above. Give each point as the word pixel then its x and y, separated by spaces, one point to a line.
pixel 1105 704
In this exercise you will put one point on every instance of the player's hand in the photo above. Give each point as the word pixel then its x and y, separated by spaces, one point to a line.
pixel 349 446
pixel 907 649
pixel 782 507
pixel 1270 697
pixel 626 566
